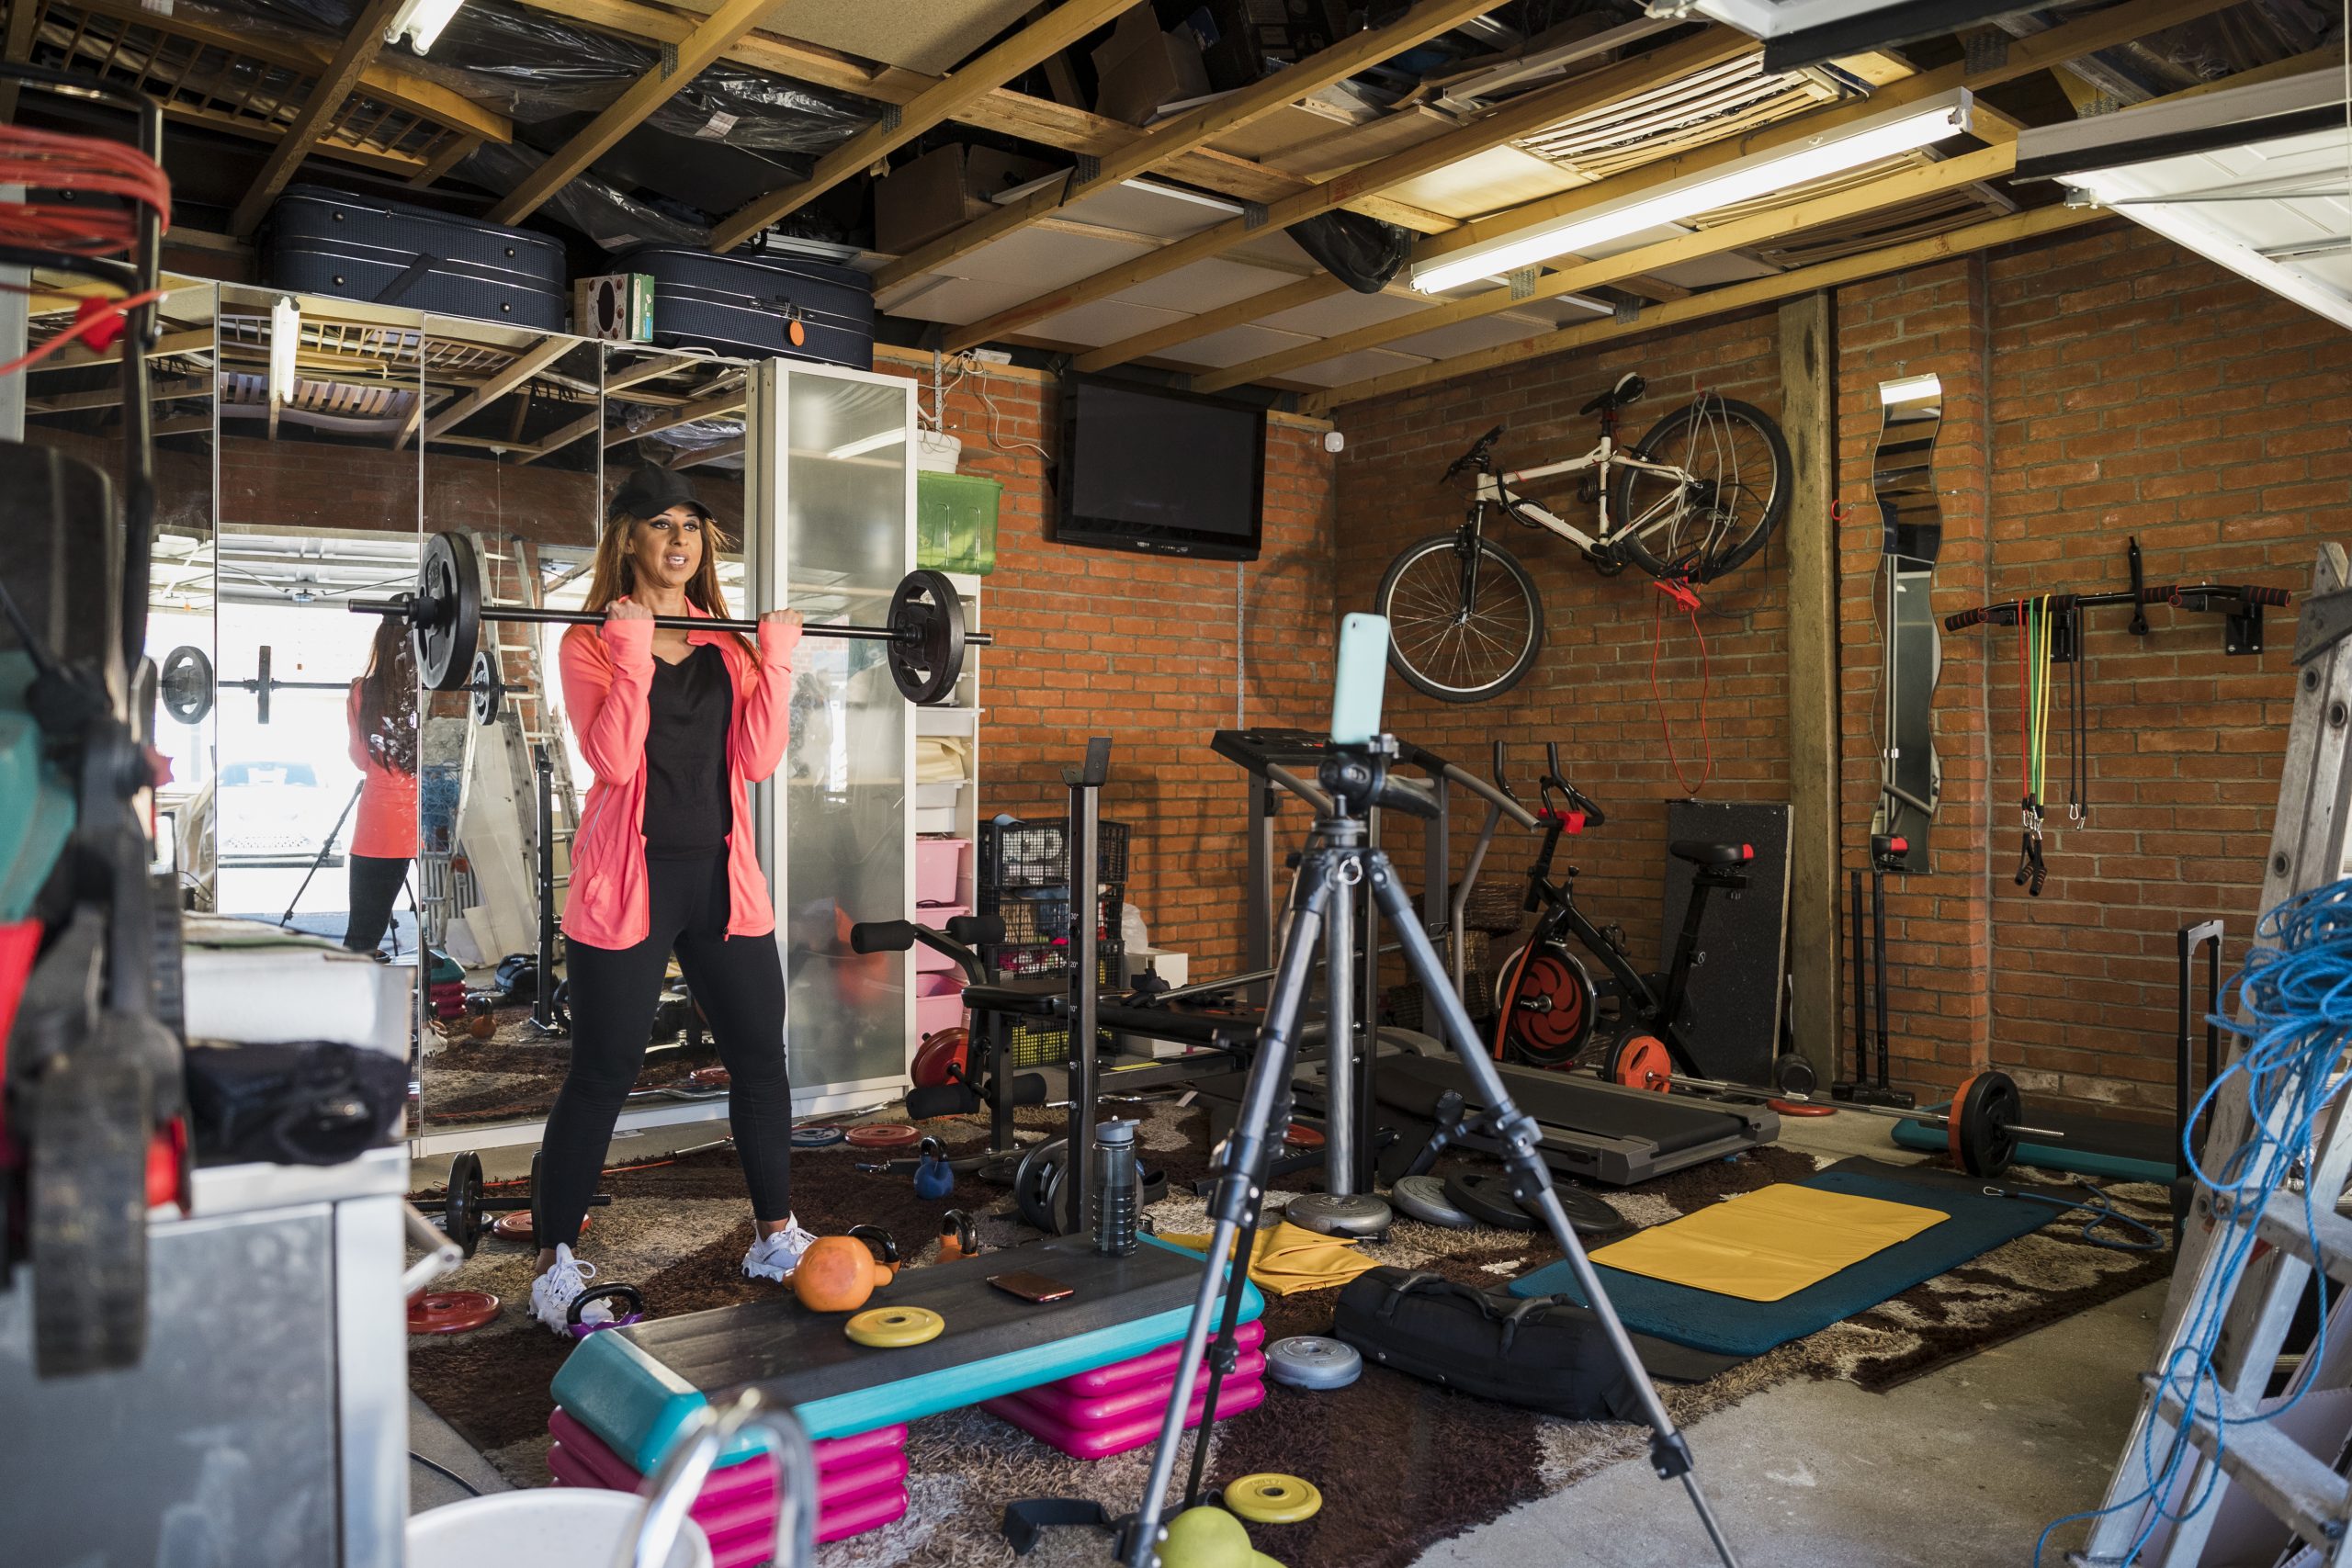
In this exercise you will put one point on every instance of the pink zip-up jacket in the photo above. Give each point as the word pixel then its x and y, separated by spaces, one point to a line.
pixel 607 685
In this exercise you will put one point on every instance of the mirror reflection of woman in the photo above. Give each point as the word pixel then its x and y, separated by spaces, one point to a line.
pixel 380 714
pixel 675 725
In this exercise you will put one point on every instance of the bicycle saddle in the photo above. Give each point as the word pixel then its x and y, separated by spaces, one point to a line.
pixel 1698 852
pixel 1628 388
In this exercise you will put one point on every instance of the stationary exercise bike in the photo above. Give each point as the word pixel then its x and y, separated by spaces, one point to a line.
pixel 1546 1002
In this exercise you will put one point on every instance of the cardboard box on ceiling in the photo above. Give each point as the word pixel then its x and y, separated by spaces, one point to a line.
pixel 1139 68
pixel 943 190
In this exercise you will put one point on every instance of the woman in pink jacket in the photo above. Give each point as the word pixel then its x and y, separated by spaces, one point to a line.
pixel 381 715
pixel 676 724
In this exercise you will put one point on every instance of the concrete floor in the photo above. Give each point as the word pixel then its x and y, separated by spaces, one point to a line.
pixel 1962 1467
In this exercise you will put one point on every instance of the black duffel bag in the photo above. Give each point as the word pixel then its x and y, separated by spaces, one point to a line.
pixel 306 1103
pixel 1545 1353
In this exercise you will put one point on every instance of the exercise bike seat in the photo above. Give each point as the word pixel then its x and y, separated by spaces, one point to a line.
pixel 1699 852
pixel 1628 388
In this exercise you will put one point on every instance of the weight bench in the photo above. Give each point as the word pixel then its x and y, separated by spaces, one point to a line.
pixel 633 1388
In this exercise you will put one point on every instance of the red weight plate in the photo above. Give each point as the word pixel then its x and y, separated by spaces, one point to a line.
pixel 709 1078
pixel 1801 1107
pixel 948 1048
pixel 516 1226
pixel 884 1135
pixel 1641 1063
pixel 1952 1119
pixel 1547 1012
pixel 1299 1135
pixel 451 1312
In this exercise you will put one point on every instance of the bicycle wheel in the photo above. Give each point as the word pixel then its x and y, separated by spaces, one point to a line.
pixel 1543 1006
pixel 1737 494
pixel 1446 648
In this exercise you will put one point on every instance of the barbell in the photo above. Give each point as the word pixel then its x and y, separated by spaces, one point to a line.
pixel 185 683
pixel 1982 1128
pixel 924 629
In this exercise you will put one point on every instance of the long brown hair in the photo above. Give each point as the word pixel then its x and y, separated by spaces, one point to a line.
pixel 614 576
pixel 388 698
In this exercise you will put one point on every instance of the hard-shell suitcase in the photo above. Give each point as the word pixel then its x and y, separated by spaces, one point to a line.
pixel 775 304
pixel 325 241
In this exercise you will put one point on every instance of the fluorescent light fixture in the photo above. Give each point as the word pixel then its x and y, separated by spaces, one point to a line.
pixel 1904 130
pixel 865 444
pixel 1910 389
pixel 285 343
pixel 421 21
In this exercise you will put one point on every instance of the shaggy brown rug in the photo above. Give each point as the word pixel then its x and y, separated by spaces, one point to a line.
pixel 513 1074
pixel 1403 1464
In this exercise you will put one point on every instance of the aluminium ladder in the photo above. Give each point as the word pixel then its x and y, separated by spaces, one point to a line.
pixel 2311 846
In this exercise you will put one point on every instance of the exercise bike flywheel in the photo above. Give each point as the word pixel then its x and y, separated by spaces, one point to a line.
pixel 1547 1005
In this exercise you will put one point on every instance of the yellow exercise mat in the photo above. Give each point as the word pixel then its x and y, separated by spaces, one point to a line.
pixel 1763 1245
pixel 1288 1258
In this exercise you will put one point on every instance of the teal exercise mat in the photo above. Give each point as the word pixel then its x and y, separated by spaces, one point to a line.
pixel 2119 1151
pixel 636 1387
pixel 1973 1225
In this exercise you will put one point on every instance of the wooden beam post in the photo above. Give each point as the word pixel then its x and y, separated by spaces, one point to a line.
pixel 713 37
pixel 1808 417
pixel 360 46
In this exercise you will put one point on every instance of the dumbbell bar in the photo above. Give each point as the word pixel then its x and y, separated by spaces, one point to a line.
pixel 185 683
pixel 925 628
pixel 1983 1128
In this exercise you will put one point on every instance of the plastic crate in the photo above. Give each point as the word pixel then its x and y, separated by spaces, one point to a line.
pixel 1042 915
pixel 956 522
pixel 1019 960
pixel 1015 854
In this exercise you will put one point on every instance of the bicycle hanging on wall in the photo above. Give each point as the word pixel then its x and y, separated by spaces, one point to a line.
pixel 1692 500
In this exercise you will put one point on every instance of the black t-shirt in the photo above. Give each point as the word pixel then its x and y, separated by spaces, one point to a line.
pixel 688 809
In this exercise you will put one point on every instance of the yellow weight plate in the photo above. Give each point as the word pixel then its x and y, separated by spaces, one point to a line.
pixel 893 1328
pixel 1273 1499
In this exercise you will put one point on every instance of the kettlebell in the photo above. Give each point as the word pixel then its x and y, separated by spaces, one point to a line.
pixel 838 1272
pixel 1209 1537
pixel 958 1236
pixel 934 1177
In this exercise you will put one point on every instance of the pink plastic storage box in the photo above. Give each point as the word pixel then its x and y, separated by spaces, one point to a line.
pixel 929 961
pixel 939 870
pixel 936 1013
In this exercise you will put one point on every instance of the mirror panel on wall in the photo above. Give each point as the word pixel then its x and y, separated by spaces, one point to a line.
pixel 1903 476
pixel 318 724
pixel 74 404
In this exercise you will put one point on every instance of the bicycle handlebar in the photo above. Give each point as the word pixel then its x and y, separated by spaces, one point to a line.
pixel 1593 816
pixel 1475 457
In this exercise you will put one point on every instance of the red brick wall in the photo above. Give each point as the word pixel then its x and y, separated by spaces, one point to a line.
pixel 2104 386
pixel 1155 653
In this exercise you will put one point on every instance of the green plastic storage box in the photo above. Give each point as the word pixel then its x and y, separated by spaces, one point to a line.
pixel 956 522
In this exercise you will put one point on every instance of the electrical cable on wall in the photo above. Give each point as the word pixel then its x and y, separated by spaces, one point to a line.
pixel 967 365
pixel 2296 996
pixel 83 167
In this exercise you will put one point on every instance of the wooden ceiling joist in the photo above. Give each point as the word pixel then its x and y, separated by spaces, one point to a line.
pixel 516 371
pixel 1062 26
pixel 649 369
pixel 579 430
pixel 1517 118
pixel 706 43
pixel 705 408
pixel 1164 141
pixel 1716 301
pixel 335 84
pixel 1903 185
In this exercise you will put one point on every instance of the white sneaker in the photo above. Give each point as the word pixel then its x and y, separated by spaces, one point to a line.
pixel 773 1257
pixel 553 1292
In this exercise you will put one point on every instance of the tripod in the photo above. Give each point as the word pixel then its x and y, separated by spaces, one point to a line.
pixel 1338 859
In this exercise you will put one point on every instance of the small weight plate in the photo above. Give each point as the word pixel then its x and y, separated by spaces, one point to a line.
pixel 1329 1213
pixel 1487 1200
pixel 934 1057
pixel 884 1135
pixel 461 1207
pixel 1642 1061
pixel 1312 1360
pixel 489 692
pixel 926 656
pixel 1423 1198
pixel 516 1226
pixel 450 1312
pixel 1589 1212
pixel 1032 1181
pixel 710 1077
pixel 1273 1499
pixel 1979 1124
pixel 894 1328
pixel 1299 1135
pixel 184 683
pixel 817 1138
pixel 448 583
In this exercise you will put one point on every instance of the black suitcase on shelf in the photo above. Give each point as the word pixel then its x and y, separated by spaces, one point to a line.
pixel 776 305
pixel 325 241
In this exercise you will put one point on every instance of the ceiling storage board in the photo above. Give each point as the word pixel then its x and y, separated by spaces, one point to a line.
pixel 1040 259
pixel 1206 285
pixel 1361 365
pixel 957 300
pixel 933 37
pixel 1235 345
pixel 1468 337
pixel 1338 313
pixel 1146 206
pixel 1485 182
pixel 1104 321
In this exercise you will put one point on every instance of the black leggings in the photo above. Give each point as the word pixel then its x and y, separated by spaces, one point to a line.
pixel 375 882
pixel 739 984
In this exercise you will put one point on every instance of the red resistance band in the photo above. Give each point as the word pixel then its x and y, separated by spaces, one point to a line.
pixel 1680 592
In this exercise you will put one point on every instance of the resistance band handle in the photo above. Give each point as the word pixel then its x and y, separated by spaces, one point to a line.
pixel 1966 619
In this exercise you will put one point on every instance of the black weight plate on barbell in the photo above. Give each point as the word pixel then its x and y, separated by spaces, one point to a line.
pixel 1983 1114
pixel 488 694
pixel 1031 1178
pixel 184 683
pixel 461 1206
pixel 926 649
pixel 445 633
pixel 1487 1200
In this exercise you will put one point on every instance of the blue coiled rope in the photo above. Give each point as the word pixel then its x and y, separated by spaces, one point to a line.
pixel 2295 995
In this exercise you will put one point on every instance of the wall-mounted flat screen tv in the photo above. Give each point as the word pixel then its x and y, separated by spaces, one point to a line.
pixel 1170 473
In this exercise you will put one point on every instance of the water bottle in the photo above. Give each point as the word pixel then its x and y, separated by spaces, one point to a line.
pixel 1114 1195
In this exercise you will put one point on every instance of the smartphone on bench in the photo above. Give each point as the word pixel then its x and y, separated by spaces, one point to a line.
pixel 1030 1287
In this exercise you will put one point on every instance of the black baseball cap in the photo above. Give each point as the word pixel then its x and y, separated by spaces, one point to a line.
pixel 653 490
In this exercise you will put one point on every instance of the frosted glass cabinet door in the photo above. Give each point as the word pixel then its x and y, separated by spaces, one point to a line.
pixel 847 536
